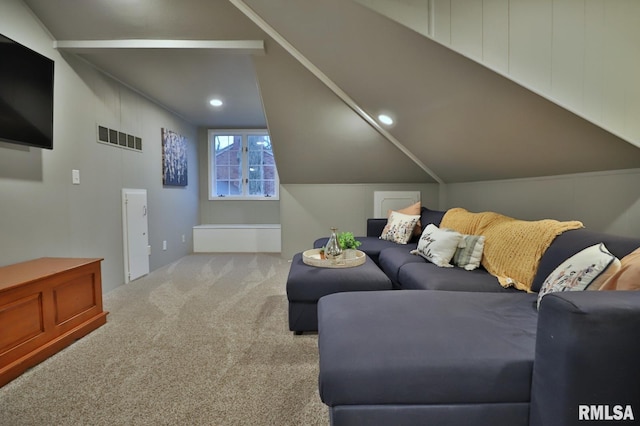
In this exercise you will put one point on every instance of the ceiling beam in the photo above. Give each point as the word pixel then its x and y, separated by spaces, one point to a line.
pixel 264 26
pixel 251 47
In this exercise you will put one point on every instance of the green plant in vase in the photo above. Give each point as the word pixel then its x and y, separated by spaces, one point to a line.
pixel 348 241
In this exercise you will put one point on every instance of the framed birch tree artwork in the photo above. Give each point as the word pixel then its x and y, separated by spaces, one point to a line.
pixel 174 159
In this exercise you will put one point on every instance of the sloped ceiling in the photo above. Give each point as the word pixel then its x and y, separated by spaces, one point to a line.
pixel 459 119
pixel 462 120
pixel 317 137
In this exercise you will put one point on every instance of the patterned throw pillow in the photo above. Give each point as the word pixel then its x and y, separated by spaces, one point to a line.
pixel 399 227
pixel 585 270
pixel 469 252
pixel 413 209
pixel 438 245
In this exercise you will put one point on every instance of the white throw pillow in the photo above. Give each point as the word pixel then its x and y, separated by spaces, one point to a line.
pixel 438 245
pixel 589 267
pixel 399 227
pixel 468 255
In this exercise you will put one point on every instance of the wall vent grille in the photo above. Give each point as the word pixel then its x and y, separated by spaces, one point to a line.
pixel 120 139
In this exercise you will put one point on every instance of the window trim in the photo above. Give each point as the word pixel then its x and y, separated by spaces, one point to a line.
pixel 210 165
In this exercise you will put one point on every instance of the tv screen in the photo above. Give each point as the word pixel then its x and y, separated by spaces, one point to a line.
pixel 26 95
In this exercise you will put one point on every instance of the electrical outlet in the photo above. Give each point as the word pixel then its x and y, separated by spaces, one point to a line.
pixel 184 240
pixel 75 177
pixel 164 245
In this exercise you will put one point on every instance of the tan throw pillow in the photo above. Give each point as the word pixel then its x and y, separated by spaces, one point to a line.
pixel 399 227
pixel 580 271
pixel 413 209
pixel 628 277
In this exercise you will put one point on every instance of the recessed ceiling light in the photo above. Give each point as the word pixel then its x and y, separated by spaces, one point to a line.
pixel 215 102
pixel 385 119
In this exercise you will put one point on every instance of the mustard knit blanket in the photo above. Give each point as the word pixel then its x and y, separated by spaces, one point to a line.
pixel 513 248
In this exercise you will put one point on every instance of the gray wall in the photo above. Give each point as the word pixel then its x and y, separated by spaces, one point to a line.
pixel 43 214
pixel 603 201
pixel 308 211
pixel 230 211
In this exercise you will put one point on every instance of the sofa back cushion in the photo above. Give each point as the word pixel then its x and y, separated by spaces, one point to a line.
pixel 431 216
pixel 571 242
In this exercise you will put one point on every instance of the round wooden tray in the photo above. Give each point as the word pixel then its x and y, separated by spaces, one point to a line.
pixel 312 258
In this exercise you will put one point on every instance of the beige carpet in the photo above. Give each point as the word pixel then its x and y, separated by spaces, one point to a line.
pixel 203 341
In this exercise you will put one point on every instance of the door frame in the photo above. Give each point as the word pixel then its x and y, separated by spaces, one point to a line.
pixel 125 231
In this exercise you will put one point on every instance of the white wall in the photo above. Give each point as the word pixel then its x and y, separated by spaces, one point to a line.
pixel 582 54
pixel 43 214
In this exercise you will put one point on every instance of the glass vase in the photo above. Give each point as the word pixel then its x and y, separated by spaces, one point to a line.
pixel 333 250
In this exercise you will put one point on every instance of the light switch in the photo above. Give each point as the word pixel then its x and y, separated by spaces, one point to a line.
pixel 75 177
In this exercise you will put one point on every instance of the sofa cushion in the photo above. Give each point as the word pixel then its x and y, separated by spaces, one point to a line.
pixel 427 276
pixel 428 216
pixel 570 242
pixel 426 347
pixel 391 259
pixel 587 269
pixel 438 245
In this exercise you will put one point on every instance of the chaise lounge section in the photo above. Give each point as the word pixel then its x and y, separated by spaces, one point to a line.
pixel 465 350
pixel 460 358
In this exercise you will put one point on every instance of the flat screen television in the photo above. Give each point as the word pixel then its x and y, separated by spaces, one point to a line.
pixel 26 95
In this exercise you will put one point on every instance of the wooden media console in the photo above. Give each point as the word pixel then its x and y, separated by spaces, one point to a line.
pixel 45 305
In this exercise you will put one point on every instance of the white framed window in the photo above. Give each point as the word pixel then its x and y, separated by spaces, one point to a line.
pixel 242 166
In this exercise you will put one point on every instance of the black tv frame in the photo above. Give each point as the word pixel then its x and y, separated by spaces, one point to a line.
pixel 26 95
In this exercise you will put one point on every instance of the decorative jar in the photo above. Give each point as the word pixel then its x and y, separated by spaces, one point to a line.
pixel 333 250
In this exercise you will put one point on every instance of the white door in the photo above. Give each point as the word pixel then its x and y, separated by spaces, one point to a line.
pixel 135 233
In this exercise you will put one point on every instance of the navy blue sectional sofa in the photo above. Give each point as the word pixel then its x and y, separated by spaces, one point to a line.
pixel 466 351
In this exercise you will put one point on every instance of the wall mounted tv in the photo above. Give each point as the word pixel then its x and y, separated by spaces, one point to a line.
pixel 26 95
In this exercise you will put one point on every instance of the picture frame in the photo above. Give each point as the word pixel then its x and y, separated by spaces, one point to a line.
pixel 174 159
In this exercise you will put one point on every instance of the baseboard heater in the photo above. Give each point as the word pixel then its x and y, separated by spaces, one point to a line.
pixel 237 238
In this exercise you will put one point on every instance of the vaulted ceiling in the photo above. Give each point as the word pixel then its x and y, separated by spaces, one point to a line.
pixel 325 70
